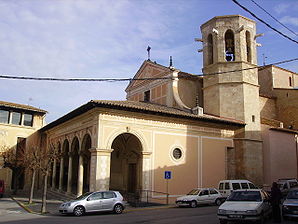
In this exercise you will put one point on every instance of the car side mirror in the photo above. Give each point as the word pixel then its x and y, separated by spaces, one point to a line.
pixel 89 199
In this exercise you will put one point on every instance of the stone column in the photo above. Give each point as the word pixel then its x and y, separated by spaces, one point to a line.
pixel 80 176
pixel 100 169
pixel 54 174
pixel 69 177
pixel 61 174
pixel 146 169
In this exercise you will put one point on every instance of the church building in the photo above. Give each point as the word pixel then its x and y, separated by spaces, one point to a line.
pixel 177 131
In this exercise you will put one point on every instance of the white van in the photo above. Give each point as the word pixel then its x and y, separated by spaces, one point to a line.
pixel 227 186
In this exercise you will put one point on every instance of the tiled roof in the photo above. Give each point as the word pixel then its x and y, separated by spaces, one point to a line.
pixel 21 106
pixel 143 107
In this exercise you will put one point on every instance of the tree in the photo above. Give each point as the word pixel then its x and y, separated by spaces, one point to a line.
pixel 47 157
pixel 14 160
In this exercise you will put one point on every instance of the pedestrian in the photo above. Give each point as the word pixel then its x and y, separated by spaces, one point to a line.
pixel 275 201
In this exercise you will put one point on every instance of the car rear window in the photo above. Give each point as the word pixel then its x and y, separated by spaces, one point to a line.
pixel 236 186
pixel 293 184
pixel 212 191
pixel 220 186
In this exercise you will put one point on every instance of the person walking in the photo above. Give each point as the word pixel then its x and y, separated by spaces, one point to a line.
pixel 275 200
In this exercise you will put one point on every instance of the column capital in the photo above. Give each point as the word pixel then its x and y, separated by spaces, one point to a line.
pixel 145 153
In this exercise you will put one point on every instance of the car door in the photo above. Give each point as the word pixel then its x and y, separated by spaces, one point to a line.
pixel 266 203
pixel 213 195
pixel 203 197
pixel 94 202
pixel 108 201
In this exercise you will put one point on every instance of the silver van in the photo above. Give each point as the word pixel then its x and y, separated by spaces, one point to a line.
pixel 226 187
pixel 94 202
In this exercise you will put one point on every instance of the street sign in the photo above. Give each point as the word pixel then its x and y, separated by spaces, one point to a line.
pixel 168 174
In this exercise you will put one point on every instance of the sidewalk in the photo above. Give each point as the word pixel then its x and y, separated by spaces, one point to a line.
pixel 53 205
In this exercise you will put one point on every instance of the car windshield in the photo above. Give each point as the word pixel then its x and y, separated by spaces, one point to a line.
pixel 245 196
pixel 83 196
pixel 194 192
pixel 293 195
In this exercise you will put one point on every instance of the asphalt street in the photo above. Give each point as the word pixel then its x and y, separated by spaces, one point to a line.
pixel 11 213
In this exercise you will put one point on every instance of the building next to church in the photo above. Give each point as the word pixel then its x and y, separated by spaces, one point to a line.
pixel 235 121
pixel 18 123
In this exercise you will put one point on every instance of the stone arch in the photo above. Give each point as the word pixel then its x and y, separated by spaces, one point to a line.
pixel 75 149
pixel 65 156
pixel 85 153
pixel 126 163
pixel 229 45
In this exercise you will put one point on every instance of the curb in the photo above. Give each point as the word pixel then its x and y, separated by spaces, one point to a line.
pixel 24 206
pixel 149 208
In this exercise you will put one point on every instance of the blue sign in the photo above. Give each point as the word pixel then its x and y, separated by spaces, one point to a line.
pixel 168 174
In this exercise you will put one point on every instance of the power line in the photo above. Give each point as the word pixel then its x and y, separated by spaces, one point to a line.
pixel 274 18
pixel 130 79
pixel 262 21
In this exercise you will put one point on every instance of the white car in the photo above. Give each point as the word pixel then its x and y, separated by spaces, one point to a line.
pixel 199 196
pixel 242 205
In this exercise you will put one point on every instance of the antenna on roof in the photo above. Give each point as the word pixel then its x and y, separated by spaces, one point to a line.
pixel 264 59
pixel 171 62
pixel 148 50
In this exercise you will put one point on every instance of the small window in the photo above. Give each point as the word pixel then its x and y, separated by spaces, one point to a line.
pixel 244 185
pixel 236 186
pixel 290 81
pixel 107 195
pixel 177 153
pixel 147 96
pixel 28 120
pixel 4 116
pixel 253 118
pixel 227 186
pixel 221 186
pixel 16 118
pixel 251 186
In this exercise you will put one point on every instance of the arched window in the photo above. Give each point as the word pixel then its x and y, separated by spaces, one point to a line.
pixel 248 47
pixel 229 46
pixel 210 49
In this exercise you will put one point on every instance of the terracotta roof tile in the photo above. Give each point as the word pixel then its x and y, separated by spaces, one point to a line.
pixel 21 106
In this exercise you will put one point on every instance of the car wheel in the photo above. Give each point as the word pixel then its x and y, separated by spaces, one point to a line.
pixel 193 204
pixel 222 221
pixel 79 211
pixel 218 202
pixel 118 209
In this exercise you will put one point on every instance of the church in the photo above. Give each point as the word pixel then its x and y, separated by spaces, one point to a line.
pixel 177 131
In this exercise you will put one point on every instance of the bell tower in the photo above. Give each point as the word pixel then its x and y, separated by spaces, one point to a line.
pixel 231 89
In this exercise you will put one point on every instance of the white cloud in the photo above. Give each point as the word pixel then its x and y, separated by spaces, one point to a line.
pixel 290 20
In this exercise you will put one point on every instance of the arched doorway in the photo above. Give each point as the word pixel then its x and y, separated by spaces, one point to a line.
pixel 126 164
pixel 75 146
pixel 85 153
pixel 65 154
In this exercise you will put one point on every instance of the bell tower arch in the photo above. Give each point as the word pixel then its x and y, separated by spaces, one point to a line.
pixel 231 88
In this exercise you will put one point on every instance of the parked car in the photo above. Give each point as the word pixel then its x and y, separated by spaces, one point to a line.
pixel 245 205
pixel 199 196
pixel 94 202
pixel 286 184
pixel 290 205
pixel 1 188
pixel 226 187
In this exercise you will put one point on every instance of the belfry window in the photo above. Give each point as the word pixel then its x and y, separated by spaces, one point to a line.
pixel 210 49
pixel 229 46
pixel 248 46
pixel 147 96
pixel 290 81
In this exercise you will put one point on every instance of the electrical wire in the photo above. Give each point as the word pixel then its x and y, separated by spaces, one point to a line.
pixel 132 79
pixel 262 21
pixel 274 18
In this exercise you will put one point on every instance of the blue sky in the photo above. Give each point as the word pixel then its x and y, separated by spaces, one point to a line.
pixel 109 38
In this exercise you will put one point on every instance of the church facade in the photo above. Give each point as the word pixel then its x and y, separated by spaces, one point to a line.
pixel 234 122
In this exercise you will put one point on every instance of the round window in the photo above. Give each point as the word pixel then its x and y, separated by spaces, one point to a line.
pixel 177 153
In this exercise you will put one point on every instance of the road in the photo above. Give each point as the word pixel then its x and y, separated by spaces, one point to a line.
pixel 204 215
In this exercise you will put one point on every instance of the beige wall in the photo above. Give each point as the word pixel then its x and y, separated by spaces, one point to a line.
pixel 280 156
pixel 268 107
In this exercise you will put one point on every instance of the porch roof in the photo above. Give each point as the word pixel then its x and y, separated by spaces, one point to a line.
pixel 142 107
